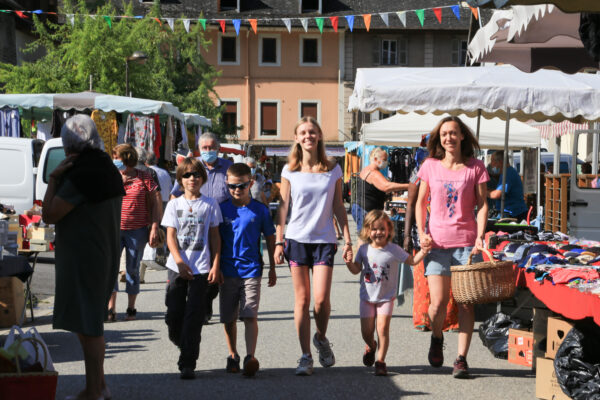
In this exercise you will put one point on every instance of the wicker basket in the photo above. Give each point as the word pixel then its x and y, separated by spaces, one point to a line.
pixel 484 282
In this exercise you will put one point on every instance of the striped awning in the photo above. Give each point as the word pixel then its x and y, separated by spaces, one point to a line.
pixel 553 130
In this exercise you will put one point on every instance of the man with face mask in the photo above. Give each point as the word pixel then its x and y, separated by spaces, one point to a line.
pixel 257 189
pixel 514 202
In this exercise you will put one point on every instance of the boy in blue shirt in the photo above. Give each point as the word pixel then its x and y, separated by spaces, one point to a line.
pixel 244 219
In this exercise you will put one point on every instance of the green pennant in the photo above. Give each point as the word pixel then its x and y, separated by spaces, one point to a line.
pixel 6 11
pixel 320 22
pixel 108 20
pixel 421 15
pixel 203 23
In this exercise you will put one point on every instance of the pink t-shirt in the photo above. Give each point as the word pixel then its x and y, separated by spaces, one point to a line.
pixel 453 200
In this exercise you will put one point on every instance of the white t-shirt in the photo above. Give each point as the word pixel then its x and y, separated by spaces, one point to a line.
pixel 192 230
pixel 379 275
pixel 164 180
pixel 312 194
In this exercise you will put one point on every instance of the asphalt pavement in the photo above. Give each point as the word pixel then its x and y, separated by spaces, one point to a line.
pixel 141 362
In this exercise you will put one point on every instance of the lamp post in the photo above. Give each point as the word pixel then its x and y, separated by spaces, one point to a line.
pixel 137 56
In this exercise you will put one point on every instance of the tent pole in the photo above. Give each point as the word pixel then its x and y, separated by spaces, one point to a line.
pixel 556 166
pixel 505 162
pixel 478 123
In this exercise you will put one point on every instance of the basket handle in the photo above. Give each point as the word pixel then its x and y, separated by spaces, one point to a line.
pixel 36 343
pixel 487 253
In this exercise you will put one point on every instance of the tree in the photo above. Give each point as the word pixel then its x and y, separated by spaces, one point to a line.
pixel 174 71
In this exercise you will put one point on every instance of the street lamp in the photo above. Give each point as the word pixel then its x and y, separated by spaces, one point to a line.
pixel 138 56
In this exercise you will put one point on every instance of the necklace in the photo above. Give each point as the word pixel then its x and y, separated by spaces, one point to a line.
pixel 189 204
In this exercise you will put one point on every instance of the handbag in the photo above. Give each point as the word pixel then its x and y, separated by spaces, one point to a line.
pixel 36 349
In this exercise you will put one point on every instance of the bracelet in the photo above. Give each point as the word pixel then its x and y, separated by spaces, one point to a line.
pixel 348 244
pixel 279 243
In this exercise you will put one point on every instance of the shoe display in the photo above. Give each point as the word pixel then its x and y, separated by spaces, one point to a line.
pixel 233 364
pixel 187 373
pixel 436 352
pixel 461 368
pixel 251 365
pixel 369 356
pixel 380 368
pixel 326 357
pixel 305 365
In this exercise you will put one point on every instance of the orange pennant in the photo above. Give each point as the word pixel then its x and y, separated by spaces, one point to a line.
pixel 438 14
pixel 222 23
pixel 253 25
pixel 367 19
pixel 334 23
pixel 475 12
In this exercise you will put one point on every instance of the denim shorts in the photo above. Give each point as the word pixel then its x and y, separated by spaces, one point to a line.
pixel 439 261
pixel 310 254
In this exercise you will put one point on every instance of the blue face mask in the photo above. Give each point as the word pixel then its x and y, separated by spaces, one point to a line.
pixel 119 164
pixel 253 171
pixel 495 170
pixel 209 156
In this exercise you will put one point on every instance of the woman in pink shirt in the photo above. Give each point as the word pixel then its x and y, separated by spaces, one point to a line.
pixel 456 183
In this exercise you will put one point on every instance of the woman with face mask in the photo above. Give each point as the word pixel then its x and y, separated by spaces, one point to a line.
pixel 373 186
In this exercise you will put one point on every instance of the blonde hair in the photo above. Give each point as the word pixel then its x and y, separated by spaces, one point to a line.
pixel 295 155
pixel 376 152
pixel 370 218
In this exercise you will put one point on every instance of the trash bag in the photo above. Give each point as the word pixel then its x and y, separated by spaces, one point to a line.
pixel 577 362
pixel 493 332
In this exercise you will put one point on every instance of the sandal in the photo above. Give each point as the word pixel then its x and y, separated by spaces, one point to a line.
pixel 112 315
pixel 131 312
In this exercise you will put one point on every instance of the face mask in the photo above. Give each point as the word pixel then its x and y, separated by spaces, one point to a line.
pixel 119 164
pixel 209 156
pixel 383 165
pixel 253 171
pixel 267 193
pixel 495 170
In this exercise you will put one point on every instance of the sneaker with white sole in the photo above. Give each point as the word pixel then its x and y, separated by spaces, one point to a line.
pixel 326 357
pixel 305 365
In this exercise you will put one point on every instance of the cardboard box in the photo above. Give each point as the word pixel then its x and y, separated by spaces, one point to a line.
pixel 12 301
pixel 540 332
pixel 45 234
pixel 33 246
pixel 546 384
pixel 557 331
pixel 520 347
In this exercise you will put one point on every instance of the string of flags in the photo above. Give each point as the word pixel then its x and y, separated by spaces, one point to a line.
pixel 253 22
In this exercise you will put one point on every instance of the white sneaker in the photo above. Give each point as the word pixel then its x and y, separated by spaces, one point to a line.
pixel 305 365
pixel 326 357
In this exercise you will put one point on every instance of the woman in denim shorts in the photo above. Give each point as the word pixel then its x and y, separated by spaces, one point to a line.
pixel 455 182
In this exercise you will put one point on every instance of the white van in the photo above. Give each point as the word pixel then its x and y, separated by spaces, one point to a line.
pixel 25 166
pixel 547 158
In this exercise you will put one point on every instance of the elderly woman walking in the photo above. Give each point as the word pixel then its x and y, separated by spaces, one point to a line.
pixel 83 199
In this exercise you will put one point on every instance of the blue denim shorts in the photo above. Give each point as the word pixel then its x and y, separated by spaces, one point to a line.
pixel 439 261
pixel 310 254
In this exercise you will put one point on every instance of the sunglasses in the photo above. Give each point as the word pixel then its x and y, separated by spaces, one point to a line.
pixel 240 186
pixel 190 174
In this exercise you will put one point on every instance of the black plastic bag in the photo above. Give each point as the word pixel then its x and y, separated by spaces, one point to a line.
pixel 577 362
pixel 494 333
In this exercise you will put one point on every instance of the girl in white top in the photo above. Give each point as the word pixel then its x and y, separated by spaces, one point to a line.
pixel 314 187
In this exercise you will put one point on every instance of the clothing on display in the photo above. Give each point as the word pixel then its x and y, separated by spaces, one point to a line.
pixel 10 122
pixel 107 127
pixel 169 140
pixel 401 164
pixel 140 131
pixel 44 130
pixel 59 117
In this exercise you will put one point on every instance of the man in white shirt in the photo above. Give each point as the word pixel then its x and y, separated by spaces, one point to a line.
pixel 164 179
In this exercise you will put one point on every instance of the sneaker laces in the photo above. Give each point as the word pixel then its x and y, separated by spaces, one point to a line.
pixel 324 348
pixel 304 361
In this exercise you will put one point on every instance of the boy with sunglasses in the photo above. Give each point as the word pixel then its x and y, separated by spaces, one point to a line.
pixel 192 223
pixel 244 220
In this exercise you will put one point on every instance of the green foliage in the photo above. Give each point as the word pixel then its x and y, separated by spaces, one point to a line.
pixel 174 71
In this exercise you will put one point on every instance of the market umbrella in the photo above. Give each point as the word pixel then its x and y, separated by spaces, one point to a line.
pixel 565 5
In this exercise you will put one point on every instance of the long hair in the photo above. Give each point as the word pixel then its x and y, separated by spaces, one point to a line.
pixel 468 145
pixel 295 155
pixel 370 218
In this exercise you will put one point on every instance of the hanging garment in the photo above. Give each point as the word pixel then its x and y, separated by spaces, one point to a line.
pixel 108 129
pixel 158 140
pixel 169 138
pixel 401 164
pixel 140 131
pixel 184 135
pixel 44 130
pixel 58 120
pixel 10 122
pixel 352 164
pixel 121 134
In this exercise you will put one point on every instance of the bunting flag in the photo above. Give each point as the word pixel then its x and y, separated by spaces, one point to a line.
pixel 37 12
pixel 334 23
pixel 108 21
pixel 236 24
pixel 71 18
pixel 159 21
pixel 288 24
pixel 304 22
pixel 171 23
pixel 456 11
pixel 94 17
pixel 222 23
pixel 186 25
pixel 421 15
pixel 402 16
pixel 203 23
pixel 438 14
pixel 319 22
pixel 254 25
pixel 350 20
pixel 367 19
pixel 21 14
pixel 475 12
pixel 385 17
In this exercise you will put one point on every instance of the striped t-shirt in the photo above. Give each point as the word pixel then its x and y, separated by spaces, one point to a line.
pixel 134 211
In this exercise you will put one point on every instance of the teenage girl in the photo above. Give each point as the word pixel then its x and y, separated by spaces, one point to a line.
pixel 378 262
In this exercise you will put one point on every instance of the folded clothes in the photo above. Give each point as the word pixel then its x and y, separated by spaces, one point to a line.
pixel 564 275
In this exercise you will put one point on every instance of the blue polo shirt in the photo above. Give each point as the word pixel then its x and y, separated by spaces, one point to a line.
pixel 216 183
pixel 240 238
pixel 514 202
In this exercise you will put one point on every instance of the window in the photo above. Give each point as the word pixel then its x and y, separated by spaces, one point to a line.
pixel 310 6
pixel 459 52
pixel 269 50
pixel 225 5
pixel 268 118
pixel 54 157
pixel 389 52
pixel 309 108
pixel 230 117
pixel 228 49
pixel 310 50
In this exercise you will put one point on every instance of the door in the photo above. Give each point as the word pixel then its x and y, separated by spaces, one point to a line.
pixel 16 173
pixel 52 155
pixel 584 202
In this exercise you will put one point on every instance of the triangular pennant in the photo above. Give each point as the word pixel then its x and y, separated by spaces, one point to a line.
pixel 438 14
pixel 421 15
pixel 236 25
pixel 139 16
pixel 94 17
pixel 319 22
pixel 171 22
pixel 367 19
pixel 288 24
pixel 254 25
pixel 350 20
pixel 108 20
pixel 203 23
pixel 456 11
pixel 20 14
pixel 475 12
pixel 402 16
pixel 158 20
pixel 304 22
pixel 222 23
pixel 334 23
pixel 71 18
pixel 385 17
pixel 37 12
pixel 186 25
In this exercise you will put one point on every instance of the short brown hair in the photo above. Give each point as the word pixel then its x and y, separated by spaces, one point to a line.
pixel 239 170
pixel 127 154
pixel 370 218
pixel 467 146
pixel 190 164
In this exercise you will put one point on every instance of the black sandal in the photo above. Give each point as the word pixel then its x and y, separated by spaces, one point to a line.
pixel 131 312
pixel 112 315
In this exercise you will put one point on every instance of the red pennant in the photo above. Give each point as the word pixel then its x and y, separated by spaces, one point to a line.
pixel 438 14
pixel 334 23
pixel 20 14
pixel 475 12
pixel 158 20
pixel 253 24
pixel 222 23
pixel 367 19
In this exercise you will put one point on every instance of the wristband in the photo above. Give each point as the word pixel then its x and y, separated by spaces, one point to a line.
pixel 348 244
pixel 279 243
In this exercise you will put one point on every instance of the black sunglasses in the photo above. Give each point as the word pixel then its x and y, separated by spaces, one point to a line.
pixel 241 186
pixel 190 174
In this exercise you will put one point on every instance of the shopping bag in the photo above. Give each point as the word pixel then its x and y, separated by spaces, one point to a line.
pixel 37 349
